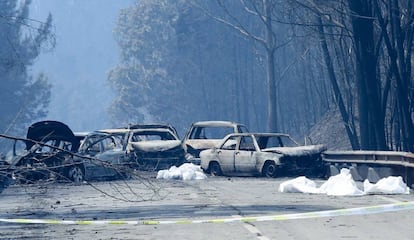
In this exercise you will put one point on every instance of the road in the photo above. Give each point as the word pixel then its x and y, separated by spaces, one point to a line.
pixel 214 198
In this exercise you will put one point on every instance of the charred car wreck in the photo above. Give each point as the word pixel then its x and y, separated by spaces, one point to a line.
pixel 266 154
pixel 155 149
pixel 208 134
pixel 46 152
pixel 103 154
pixel 114 153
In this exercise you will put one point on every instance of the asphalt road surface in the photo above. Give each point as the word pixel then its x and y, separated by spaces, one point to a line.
pixel 215 198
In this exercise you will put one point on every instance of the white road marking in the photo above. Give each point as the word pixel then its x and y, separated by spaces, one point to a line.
pixel 391 200
pixel 253 229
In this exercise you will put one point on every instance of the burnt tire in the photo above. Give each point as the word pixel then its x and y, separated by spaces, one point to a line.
pixel 215 169
pixel 5 181
pixel 76 173
pixel 269 169
pixel 125 173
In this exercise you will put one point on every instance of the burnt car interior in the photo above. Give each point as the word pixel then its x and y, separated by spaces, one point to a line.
pixel 247 144
pixel 102 142
pixel 210 132
pixel 274 141
pixel 154 126
pixel 152 135
pixel 230 143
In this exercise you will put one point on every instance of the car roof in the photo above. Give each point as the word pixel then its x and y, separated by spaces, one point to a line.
pixel 113 130
pixel 148 126
pixel 152 129
pixel 215 123
pixel 81 134
pixel 261 134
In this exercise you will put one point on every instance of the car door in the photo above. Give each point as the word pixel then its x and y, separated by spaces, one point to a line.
pixel 106 156
pixel 244 155
pixel 107 166
pixel 94 167
pixel 225 154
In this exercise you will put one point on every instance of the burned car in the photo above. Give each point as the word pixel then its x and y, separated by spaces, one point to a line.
pixel 208 134
pixel 47 152
pixel 104 155
pixel 114 153
pixel 155 126
pixel 5 176
pixel 155 148
pixel 266 154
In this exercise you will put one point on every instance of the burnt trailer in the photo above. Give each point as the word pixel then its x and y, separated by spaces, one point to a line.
pixel 372 165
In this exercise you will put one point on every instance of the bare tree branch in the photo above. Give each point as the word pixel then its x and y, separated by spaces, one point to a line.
pixel 236 26
pixel 120 196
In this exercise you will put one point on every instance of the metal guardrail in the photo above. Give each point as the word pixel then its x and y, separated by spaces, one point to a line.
pixel 372 165
pixel 389 158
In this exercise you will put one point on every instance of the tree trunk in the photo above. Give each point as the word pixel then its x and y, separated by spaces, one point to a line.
pixel 270 66
pixel 337 93
pixel 400 67
pixel 371 117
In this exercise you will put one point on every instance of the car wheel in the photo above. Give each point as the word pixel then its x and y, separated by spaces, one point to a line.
pixel 269 169
pixel 124 173
pixel 5 181
pixel 215 169
pixel 76 174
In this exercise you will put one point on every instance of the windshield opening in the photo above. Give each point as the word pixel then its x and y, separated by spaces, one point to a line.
pixel 275 141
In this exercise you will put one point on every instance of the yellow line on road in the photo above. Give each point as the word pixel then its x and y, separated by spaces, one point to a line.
pixel 400 206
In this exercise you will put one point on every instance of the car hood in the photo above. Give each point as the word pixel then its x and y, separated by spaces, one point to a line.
pixel 203 143
pixel 154 146
pixel 50 130
pixel 297 151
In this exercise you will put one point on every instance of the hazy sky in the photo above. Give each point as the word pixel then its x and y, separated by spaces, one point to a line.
pixel 85 51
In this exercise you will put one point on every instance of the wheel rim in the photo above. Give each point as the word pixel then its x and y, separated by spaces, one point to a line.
pixel 215 169
pixel 271 170
pixel 76 174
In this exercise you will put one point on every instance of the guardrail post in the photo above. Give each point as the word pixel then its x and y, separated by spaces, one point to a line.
pixel 355 173
pixel 373 176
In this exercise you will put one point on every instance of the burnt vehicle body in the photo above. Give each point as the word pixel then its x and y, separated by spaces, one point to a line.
pixel 80 137
pixel 155 149
pixel 208 134
pixel 5 176
pixel 266 154
pixel 103 154
pixel 114 153
pixel 155 126
pixel 46 152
